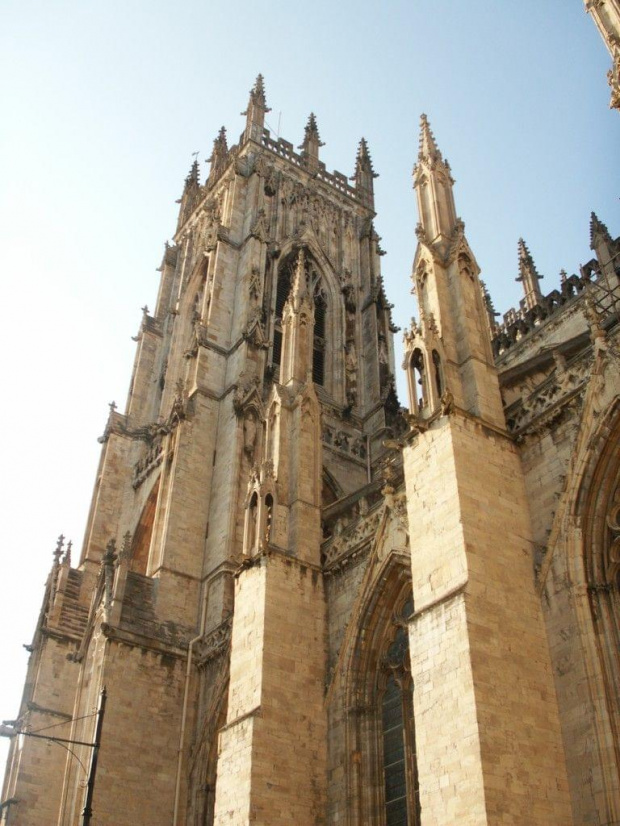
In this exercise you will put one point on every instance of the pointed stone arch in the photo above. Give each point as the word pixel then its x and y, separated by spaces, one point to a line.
pixel 143 532
pixel 596 515
pixel 332 489
pixel 378 684
pixel 213 680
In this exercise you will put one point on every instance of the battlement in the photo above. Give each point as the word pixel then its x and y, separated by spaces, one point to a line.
pixel 599 279
pixel 284 149
pixel 520 321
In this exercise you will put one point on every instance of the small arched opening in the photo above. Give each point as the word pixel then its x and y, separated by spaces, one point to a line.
pixel 417 382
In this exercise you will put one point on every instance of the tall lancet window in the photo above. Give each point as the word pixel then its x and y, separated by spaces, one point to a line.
pixel 318 348
pixel 401 799
pixel 383 777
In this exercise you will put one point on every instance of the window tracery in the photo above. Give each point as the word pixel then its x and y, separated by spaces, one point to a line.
pixel 383 725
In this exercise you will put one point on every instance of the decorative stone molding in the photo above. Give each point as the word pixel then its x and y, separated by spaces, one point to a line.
pixel 612 561
pixel 354 531
pixel 519 322
pixel 149 462
pixel 537 411
pixel 214 644
pixel 350 541
pixel 344 442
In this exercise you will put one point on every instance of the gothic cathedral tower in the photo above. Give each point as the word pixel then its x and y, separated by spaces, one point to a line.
pixel 262 392
pixel 307 605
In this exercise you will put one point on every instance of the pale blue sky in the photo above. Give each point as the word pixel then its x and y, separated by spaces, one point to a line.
pixel 102 106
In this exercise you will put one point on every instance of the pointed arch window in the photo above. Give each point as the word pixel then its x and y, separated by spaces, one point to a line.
pixel 400 782
pixel 321 320
pixel 320 326
pixel 382 730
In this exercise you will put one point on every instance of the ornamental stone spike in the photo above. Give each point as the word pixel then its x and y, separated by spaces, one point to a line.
pixel 311 143
pixel 428 146
pixel 363 160
pixel 529 276
pixel 67 557
pixel 59 546
pixel 364 172
pixel 255 113
pixel 598 230
pixel 299 288
pixel 193 176
pixel 219 156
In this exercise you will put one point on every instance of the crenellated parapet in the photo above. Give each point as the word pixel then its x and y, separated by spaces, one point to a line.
pixel 519 322
pixel 599 278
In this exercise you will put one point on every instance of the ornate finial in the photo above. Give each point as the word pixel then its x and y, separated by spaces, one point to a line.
pixel 145 310
pixel 526 263
pixel 528 275
pixel 363 160
pixel 428 146
pixel 563 276
pixel 125 547
pixel 110 553
pixel 193 177
pixel 257 95
pixel 219 156
pixel 300 279
pixel 255 113
pixel 258 99
pixel 112 406
pixel 58 550
pixel 488 305
pixel 597 230
pixel 364 173
pixel 67 557
pixel 312 140
pixel 220 145
pixel 312 130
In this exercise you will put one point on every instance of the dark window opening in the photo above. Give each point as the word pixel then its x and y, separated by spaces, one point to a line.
pixel 438 377
pixel 277 346
pixel 318 349
pixel 402 801
pixel 394 768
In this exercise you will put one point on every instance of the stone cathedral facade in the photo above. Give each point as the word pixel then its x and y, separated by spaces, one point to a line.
pixel 309 604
